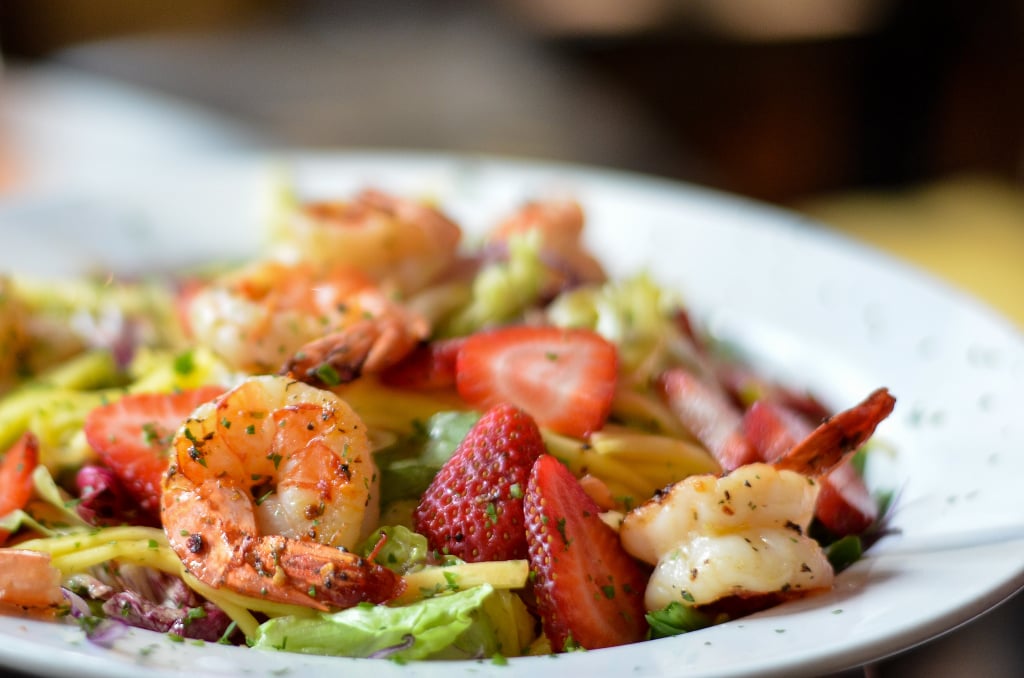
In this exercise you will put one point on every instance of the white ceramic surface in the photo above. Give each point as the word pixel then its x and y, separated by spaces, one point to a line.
pixel 804 304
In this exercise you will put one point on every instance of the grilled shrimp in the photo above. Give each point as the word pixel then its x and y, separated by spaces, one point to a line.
pixel 28 582
pixel 396 242
pixel 741 534
pixel 268 487
pixel 384 334
pixel 258 318
pixel 560 225
pixel 744 534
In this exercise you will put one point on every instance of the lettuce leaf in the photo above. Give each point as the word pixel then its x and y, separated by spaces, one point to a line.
pixel 675 619
pixel 475 623
pixel 634 313
pixel 408 467
pixel 165 371
pixel 503 290
pixel 50 510
pixel 403 550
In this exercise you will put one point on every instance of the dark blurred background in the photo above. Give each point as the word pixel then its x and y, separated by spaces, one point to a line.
pixel 775 99
pixel 898 122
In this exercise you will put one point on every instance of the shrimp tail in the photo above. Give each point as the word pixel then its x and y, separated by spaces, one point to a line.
pixel 269 487
pixel 327 576
pixel 274 567
pixel 839 436
pixel 368 345
pixel 334 359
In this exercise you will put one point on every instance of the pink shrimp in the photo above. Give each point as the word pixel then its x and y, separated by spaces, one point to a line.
pixel 269 487
pixel 744 535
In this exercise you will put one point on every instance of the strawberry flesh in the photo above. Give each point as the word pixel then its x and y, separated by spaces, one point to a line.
pixel 589 590
pixel 845 505
pixel 473 508
pixel 132 436
pixel 709 415
pixel 16 469
pixel 773 430
pixel 564 378
pixel 430 366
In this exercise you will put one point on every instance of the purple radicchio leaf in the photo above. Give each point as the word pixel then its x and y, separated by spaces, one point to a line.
pixel 202 622
pixel 385 652
pixel 99 631
pixel 104 500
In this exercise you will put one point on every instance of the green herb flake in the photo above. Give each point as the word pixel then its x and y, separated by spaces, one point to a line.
pixel 327 374
pixel 150 434
pixel 225 638
pixel 560 525
pixel 184 363
pixel 453 581
pixel 193 614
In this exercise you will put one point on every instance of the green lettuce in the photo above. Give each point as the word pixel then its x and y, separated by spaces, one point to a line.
pixel 408 467
pixel 403 550
pixel 51 515
pixel 475 623
pixel 675 619
pixel 503 290
pixel 634 313
pixel 166 371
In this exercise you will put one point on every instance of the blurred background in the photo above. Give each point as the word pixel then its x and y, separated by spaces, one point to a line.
pixel 900 123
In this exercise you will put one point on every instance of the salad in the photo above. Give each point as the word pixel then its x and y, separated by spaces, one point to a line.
pixel 379 440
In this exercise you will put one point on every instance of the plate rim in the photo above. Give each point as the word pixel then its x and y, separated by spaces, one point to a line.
pixel 779 218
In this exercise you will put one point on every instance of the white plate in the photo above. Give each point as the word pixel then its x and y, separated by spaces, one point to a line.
pixel 805 304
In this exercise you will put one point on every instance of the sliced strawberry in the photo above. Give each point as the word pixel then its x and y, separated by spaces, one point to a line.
pixel 132 435
pixel 745 386
pixel 430 366
pixel 16 471
pixel 685 324
pixel 709 415
pixel 589 590
pixel 564 378
pixel 474 507
pixel 773 430
pixel 845 505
